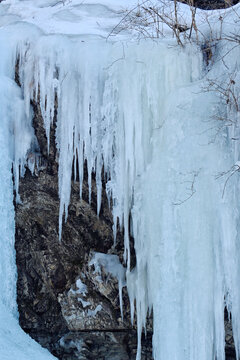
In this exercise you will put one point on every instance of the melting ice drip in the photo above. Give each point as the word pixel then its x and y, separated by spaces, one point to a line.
pixel 136 110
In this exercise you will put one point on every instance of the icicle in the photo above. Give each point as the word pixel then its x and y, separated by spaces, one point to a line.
pixel 141 118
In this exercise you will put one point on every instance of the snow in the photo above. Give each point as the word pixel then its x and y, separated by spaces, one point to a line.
pixel 94 312
pixel 82 288
pixel 69 17
pixel 112 265
pixel 84 303
pixel 141 110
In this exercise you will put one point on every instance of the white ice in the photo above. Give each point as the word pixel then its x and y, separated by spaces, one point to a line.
pixel 15 139
pixel 112 266
pixel 140 110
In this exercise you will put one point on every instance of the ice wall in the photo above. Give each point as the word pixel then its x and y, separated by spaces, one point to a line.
pixel 105 114
pixel 15 139
pixel 139 111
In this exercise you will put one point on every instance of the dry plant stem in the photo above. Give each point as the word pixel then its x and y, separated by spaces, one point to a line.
pixel 234 169
pixel 176 22
pixel 167 20
pixel 193 23
pixel 146 17
pixel 191 190
pixel 226 91
pixel 125 17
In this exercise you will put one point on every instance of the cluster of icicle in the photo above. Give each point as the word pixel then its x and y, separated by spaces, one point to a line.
pixel 135 110
pixel 109 101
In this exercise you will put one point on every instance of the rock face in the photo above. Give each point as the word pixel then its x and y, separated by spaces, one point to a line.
pixel 68 301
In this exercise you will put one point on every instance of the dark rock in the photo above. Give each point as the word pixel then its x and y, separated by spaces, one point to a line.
pixel 211 5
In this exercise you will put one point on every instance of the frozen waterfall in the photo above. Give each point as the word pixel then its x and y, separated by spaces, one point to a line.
pixel 139 111
pixel 15 138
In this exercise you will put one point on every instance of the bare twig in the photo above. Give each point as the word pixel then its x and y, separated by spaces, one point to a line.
pixel 190 189
pixel 119 59
pixel 234 169
pixel 227 91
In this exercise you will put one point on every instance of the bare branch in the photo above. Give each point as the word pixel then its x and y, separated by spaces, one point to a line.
pixel 190 189
pixel 234 169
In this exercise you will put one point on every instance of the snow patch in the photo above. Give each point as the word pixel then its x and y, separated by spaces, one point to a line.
pixel 93 313
pixel 112 265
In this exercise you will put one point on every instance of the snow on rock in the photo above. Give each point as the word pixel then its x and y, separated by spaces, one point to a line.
pixel 79 309
pixel 112 266
pixel 81 287
pixel 95 311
